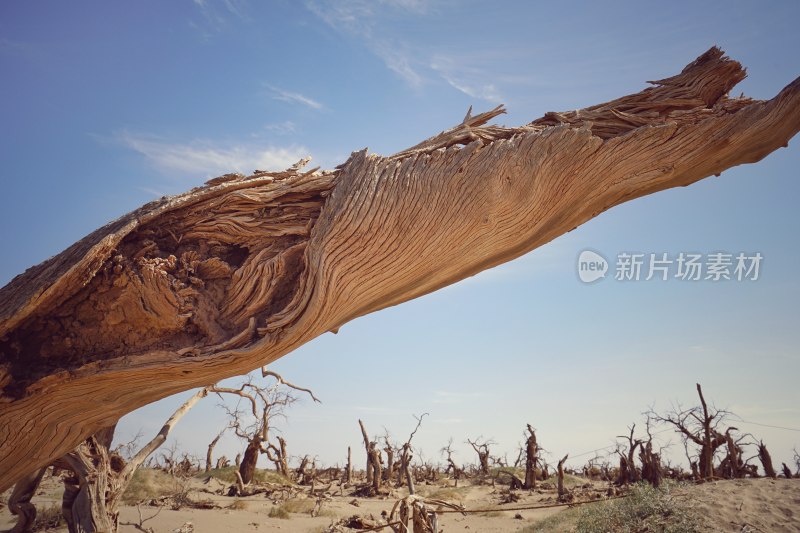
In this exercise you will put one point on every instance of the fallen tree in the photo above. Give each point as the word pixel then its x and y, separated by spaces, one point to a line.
pixel 228 277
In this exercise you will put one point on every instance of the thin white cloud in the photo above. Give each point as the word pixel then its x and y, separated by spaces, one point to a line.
pixel 216 15
pixel 206 158
pixel 281 128
pixel 359 18
pixel 293 97
pixel 468 80
pixel 399 62
pixel 449 397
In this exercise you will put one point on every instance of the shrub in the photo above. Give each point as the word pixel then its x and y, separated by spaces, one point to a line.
pixel 645 509
pixel 48 518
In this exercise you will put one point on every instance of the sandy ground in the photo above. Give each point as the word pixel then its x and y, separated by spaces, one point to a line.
pixel 749 505
pixel 743 506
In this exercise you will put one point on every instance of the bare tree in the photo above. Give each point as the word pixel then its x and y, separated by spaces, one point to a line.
pixel 388 473
pixel 651 461
pixel 279 456
pixel 766 460
pixel 481 448
pixel 699 425
pixel 452 468
pixel 407 454
pixel 211 446
pixel 266 402
pixel 627 468
pixel 531 459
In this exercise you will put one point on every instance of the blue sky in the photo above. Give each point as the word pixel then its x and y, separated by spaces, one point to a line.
pixel 105 105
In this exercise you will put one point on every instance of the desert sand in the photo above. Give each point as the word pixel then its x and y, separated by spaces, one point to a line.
pixel 750 505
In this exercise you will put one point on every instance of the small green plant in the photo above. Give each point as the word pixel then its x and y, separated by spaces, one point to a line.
pixel 645 509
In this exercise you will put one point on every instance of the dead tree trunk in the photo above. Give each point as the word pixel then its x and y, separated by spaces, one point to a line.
pixel 210 451
pixel 348 470
pixel 405 468
pixel 407 454
pixel 279 457
pixel 247 468
pixel 389 471
pixel 735 464
pixel 452 467
pixel 531 459
pixel 482 449
pixel 184 268
pixel 766 460
pixel 706 450
pixel 560 476
pixel 651 464
pixel 92 496
pixel 375 460
pixel 370 470
pixel 19 503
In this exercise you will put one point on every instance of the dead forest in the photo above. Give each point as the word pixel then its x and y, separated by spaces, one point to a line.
pixel 196 288
pixel 96 476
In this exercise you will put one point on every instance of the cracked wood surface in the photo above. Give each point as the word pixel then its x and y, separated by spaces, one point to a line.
pixel 228 277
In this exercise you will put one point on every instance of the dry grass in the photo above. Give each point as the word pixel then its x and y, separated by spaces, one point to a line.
pixel 148 484
pixel 299 506
pixel 48 518
pixel 646 509
pixel 238 505
pixel 448 494
pixel 228 475
pixel 559 522
pixel 279 512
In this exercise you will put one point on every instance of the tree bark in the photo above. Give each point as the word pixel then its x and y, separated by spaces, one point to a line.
pixel 706 451
pixel 348 469
pixel 375 461
pixel 766 461
pixel 91 499
pixel 213 283
pixel 531 459
pixel 560 476
pixel 19 503
pixel 247 468
pixel 370 469
pixel 210 451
